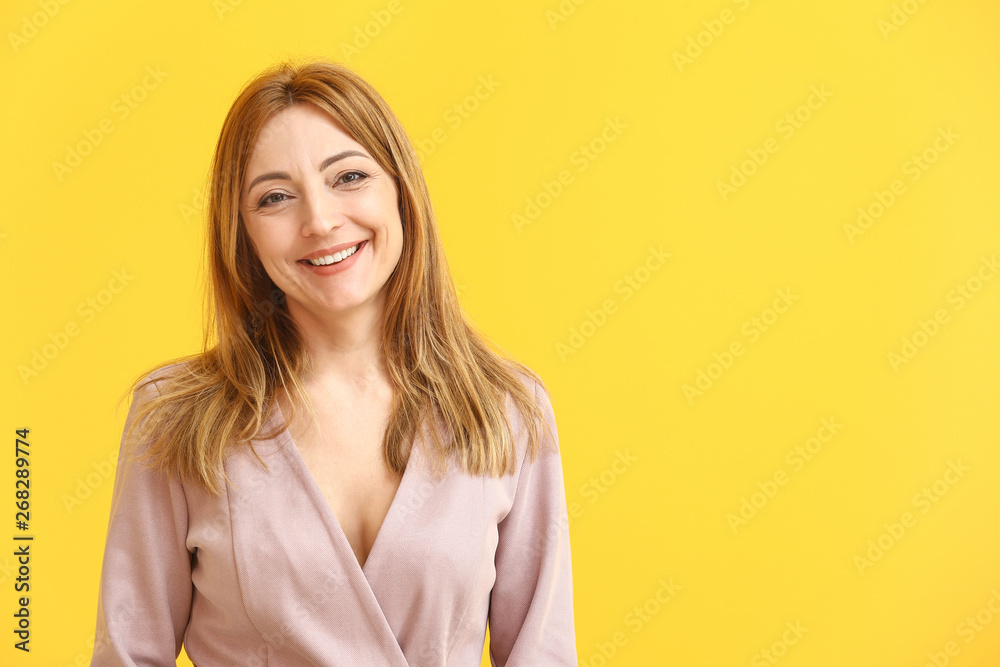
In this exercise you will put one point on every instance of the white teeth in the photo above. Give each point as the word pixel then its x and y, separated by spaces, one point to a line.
pixel 335 257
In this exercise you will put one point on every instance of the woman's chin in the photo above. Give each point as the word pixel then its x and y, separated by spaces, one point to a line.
pixel 338 306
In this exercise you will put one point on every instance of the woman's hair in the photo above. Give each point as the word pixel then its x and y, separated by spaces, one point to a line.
pixel 441 368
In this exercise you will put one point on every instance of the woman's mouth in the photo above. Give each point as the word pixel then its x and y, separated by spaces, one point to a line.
pixel 335 258
pixel 336 262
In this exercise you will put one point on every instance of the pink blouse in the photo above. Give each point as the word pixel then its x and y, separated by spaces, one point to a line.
pixel 264 575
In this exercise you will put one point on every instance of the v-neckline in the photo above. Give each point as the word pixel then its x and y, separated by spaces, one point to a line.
pixel 326 511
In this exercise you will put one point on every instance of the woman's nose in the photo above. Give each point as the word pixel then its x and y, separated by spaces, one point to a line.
pixel 320 212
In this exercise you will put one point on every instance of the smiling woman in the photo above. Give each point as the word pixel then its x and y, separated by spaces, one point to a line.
pixel 348 473
pixel 303 202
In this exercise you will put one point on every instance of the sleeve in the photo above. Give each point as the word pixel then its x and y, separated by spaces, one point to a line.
pixel 531 605
pixel 144 597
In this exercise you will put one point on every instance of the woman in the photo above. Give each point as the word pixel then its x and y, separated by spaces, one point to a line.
pixel 347 474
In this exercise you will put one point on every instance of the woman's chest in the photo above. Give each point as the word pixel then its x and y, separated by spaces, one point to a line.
pixel 273 545
pixel 358 487
pixel 342 452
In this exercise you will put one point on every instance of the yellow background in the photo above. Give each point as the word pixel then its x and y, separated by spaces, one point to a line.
pixel 132 205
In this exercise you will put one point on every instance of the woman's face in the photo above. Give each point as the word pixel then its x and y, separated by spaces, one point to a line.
pixel 312 192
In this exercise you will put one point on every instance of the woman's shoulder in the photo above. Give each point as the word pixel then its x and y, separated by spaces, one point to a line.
pixel 538 394
pixel 536 387
pixel 183 365
pixel 531 380
pixel 159 379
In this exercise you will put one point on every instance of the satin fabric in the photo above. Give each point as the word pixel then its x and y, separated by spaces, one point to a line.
pixel 264 575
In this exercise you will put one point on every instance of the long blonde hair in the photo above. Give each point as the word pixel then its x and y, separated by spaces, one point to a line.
pixel 441 368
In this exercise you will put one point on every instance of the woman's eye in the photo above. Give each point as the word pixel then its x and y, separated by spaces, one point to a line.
pixel 360 177
pixel 269 199
pixel 347 178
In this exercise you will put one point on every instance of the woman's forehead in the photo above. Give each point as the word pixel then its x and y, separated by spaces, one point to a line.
pixel 302 122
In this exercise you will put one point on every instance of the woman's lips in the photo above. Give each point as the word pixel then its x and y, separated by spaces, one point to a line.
pixel 327 269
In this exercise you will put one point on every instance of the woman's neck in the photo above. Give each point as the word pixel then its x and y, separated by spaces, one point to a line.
pixel 344 349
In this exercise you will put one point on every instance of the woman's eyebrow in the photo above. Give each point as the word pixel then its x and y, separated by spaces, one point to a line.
pixel 280 175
